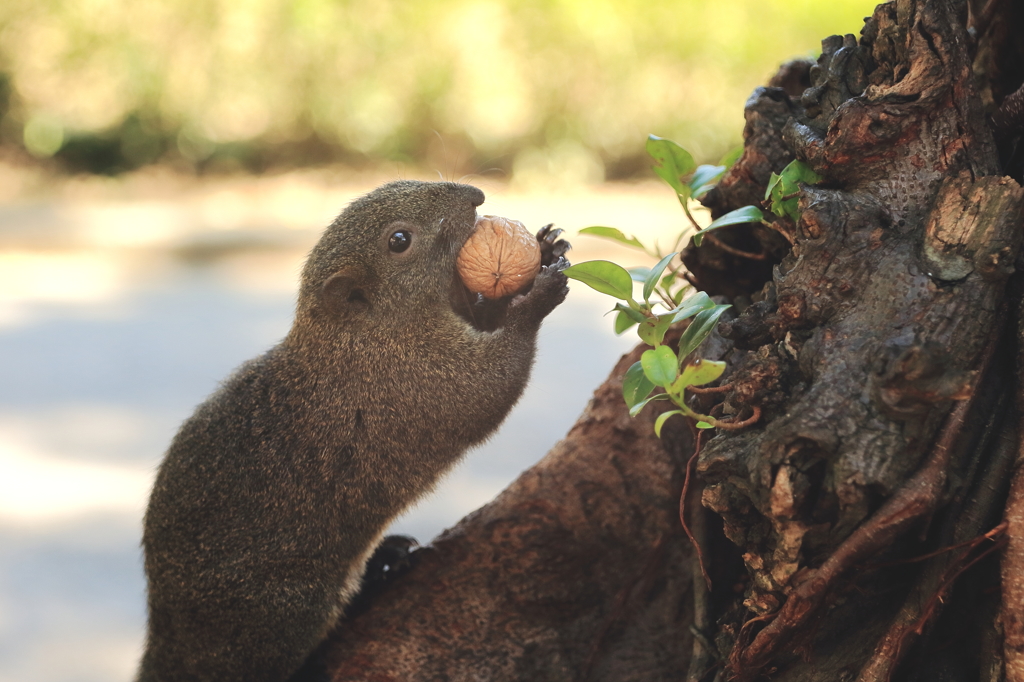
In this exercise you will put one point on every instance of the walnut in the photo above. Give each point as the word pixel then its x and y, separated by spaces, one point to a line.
pixel 501 257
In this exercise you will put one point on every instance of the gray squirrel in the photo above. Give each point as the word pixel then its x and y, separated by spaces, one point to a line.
pixel 278 488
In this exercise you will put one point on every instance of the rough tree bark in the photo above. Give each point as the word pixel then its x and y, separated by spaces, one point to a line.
pixel 865 528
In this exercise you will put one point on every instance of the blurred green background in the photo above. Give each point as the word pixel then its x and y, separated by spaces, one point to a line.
pixel 533 88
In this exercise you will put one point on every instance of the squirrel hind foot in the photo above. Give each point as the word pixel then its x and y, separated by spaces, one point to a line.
pixel 394 557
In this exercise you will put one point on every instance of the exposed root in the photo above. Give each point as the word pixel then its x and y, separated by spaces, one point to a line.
pixel 707 390
pixel 682 507
pixel 734 251
pixel 911 503
pixel 914 501
pixel 733 425
pixel 912 618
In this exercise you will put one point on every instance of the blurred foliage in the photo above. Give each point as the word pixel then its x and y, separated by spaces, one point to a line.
pixel 549 87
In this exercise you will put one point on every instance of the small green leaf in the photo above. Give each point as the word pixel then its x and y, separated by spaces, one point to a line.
pixel 783 187
pixel 660 365
pixel 639 273
pixel 635 385
pixel 652 277
pixel 668 280
pixel 702 325
pixel 704 178
pixel 698 373
pixel 604 276
pixel 635 410
pixel 746 214
pixel 634 315
pixel 693 305
pixel 662 418
pixel 682 289
pixel 801 172
pixel 623 322
pixel 672 163
pixel 652 330
pixel 612 233
pixel 705 425
pixel 773 182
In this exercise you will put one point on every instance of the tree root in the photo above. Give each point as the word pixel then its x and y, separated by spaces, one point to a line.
pixel 763 255
pixel 912 619
pixel 733 425
pixel 706 390
pixel 916 500
pixel 925 600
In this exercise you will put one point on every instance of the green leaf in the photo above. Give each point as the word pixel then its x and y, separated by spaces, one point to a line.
pixel 634 315
pixel 705 425
pixel 635 410
pixel 660 365
pixel 746 214
pixel 691 306
pixel 698 373
pixel 782 188
pixel 652 330
pixel 730 159
pixel 612 233
pixel 652 277
pixel 662 418
pixel 702 325
pixel 801 172
pixel 635 385
pixel 623 322
pixel 773 182
pixel 672 163
pixel 639 273
pixel 704 178
pixel 604 276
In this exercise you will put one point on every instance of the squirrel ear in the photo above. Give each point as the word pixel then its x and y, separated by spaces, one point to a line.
pixel 345 293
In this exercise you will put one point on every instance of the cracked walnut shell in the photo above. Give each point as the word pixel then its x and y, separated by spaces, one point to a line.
pixel 501 257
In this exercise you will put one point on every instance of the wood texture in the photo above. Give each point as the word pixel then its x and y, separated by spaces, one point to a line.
pixel 581 560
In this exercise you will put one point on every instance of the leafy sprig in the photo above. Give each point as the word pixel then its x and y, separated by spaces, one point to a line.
pixel 661 366
pixel 662 302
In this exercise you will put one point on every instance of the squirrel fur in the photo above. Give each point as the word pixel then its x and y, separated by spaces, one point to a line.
pixel 276 491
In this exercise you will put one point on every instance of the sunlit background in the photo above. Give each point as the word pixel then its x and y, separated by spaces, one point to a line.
pixel 166 164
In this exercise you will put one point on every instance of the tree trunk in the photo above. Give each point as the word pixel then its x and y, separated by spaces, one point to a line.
pixel 874 534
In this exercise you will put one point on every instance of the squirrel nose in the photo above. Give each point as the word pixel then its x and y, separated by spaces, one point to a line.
pixel 472 194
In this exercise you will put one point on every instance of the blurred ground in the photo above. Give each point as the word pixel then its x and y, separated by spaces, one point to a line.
pixel 124 301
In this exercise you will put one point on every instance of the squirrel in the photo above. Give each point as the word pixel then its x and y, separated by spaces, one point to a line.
pixel 276 491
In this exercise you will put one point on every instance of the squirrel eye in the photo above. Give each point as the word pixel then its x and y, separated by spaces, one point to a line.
pixel 399 241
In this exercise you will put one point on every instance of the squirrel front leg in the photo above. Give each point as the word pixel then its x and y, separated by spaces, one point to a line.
pixel 549 289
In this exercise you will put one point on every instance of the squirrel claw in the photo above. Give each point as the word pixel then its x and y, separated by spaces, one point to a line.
pixel 561 263
pixel 551 247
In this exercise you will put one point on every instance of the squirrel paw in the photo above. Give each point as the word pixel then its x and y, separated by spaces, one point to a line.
pixel 551 247
pixel 549 288
pixel 392 558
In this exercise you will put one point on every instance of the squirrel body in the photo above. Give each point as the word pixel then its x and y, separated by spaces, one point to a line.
pixel 275 492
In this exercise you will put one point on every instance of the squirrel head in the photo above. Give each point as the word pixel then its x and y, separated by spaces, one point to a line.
pixel 389 255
